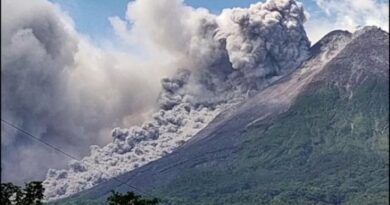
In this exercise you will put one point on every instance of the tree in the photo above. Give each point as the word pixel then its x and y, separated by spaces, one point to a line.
pixel 130 199
pixel 32 194
pixel 10 193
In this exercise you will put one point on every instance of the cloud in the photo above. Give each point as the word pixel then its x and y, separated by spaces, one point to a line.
pixel 218 61
pixel 347 15
pixel 61 88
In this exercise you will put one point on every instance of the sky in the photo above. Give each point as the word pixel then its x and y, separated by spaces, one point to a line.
pixel 91 16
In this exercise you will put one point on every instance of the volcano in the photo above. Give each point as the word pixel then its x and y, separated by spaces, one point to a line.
pixel 318 135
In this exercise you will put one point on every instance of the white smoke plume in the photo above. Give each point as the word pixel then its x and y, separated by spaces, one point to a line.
pixel 351 14
pixel 59 87
pixel 221 59
pixel 348 15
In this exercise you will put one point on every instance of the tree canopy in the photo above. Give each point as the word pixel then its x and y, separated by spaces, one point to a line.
pixel 130 199
pixel 31 194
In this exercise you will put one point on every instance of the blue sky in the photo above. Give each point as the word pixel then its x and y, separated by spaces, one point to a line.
pixel 91 16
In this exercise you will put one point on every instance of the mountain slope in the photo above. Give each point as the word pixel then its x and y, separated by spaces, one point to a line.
pixel 318 136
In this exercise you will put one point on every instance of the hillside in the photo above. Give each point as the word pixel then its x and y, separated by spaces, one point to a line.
pixel 318 136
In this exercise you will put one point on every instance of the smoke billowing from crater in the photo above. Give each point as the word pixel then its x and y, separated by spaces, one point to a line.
pixel 220 61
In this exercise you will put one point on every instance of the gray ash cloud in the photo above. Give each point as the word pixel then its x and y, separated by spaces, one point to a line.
pixel 221 60
pixel 60 88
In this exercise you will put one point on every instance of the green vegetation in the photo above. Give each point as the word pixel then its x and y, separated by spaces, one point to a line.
pixel 115 199
pixel 31 194
pixel 330 148
pixel 327 149
pixel 130 199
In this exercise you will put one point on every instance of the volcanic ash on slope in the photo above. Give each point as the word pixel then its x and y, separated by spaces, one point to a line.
pixel 227 58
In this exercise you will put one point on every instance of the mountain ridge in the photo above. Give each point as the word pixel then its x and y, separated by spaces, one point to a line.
pixel 327 82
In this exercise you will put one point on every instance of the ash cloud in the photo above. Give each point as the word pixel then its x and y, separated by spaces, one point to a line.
pixel 220 61
pixel 59 87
